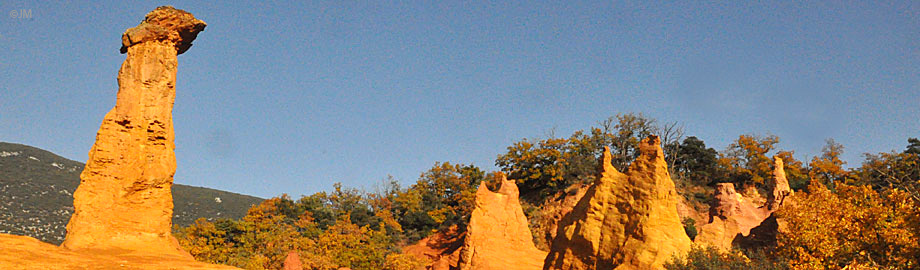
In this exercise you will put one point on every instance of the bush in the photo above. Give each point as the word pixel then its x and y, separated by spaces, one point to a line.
pixel 690 227
pixel 710 258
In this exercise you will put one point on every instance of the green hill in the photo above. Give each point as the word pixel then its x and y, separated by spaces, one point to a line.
pixel 36 195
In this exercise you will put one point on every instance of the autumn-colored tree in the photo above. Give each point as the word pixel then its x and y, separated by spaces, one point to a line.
pixel 854 226
pixel 828 168
pixel 442 196
pixel 746 161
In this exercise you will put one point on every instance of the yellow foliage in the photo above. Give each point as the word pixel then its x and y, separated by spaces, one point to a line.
pixel 855 226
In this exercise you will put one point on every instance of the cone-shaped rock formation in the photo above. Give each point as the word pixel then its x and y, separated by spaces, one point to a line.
pixel 732 216
pixel 624 221
pixel 124 200
pixel 497 236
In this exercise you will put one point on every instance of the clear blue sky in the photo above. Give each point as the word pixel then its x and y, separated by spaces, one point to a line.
pixel 291 97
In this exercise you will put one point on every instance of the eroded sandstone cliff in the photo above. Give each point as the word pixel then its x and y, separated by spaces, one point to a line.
pixel 624 221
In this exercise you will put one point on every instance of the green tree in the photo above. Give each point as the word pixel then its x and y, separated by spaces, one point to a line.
pixel 913 146
pixel 696 162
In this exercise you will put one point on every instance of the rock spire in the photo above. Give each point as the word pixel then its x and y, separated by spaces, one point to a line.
pixel 624 221
pixel 124 199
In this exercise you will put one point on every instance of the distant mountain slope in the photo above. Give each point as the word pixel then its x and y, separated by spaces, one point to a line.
pixel 36 195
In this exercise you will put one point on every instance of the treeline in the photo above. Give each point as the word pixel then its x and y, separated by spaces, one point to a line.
pixel 874 206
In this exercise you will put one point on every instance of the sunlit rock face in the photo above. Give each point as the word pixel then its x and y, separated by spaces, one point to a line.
pixel 124 199
pixel 497 236
pixel 624 221
pixel 737 220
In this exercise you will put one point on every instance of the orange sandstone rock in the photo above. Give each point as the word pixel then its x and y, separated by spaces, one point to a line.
pixel 734 219
pixel 624 221
pixel 292 262
pixel 780 185
pixel 497 236
pixel 124 200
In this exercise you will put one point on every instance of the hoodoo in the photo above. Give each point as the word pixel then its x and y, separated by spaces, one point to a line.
pixel 497 236
pixel 124 199
pixel 624 221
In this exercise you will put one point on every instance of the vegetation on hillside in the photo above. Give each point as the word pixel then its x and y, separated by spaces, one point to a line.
pixel 875 208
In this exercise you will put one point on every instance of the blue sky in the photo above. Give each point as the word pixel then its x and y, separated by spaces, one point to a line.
pixel 291 97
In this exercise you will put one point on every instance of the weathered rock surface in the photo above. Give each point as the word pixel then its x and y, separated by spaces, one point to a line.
pixel 497 236
pixel 124 200
pixel 730 214
pixel 737 220
pixel 441 249
pixel 624 221
pixel 292 262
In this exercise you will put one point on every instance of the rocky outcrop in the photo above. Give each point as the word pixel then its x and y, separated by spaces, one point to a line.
pixel 780 186
pixel 738 220
pixel 624 221
pixel 124 199
pixel 729 215
pixel 292 262
pixel 497 236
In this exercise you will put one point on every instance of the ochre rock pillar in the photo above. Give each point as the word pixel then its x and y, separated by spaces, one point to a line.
pixel 124 199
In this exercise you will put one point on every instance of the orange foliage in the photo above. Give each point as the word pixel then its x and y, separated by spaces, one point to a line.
pixel 856 226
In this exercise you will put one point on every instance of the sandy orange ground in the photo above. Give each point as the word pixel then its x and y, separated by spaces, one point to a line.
pixel 21 252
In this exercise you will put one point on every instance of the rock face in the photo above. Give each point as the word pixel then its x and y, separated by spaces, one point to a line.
pixel 497 236
pixel 624 221
pixel 737 220
pixel 124 199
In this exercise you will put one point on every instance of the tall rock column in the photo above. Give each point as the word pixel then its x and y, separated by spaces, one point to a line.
pixel 124 199
pixel 624 221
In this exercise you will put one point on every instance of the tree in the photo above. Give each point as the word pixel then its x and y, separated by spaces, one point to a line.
pixel 746 160
pixel 696 162
pixel 444 195
pixel 913 146
pixel 828 168
pixel 854 226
